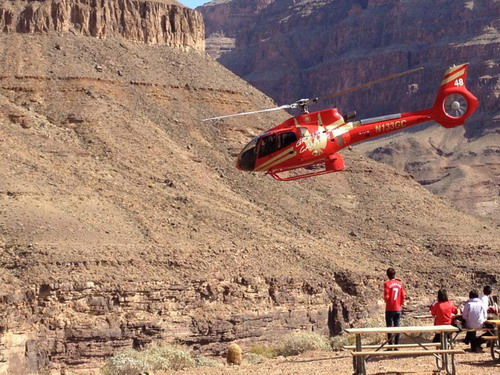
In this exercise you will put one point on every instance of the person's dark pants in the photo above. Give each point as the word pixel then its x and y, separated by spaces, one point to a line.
pixel 392 319
pixel 475 342
pixel 470 338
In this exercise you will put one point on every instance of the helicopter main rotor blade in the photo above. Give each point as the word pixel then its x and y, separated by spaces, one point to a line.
pixel 303 103
pixel 286 106
pixel 397 75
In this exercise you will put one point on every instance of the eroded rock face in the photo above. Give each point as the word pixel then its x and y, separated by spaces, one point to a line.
pixel 291 49
pixel 142 21
pixel 78 324
pixel 123 220
pixel 226 19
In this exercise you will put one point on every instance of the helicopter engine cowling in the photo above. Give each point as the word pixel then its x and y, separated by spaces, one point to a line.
pixel 454 103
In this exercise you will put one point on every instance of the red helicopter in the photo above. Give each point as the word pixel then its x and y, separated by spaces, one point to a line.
pixel 316 138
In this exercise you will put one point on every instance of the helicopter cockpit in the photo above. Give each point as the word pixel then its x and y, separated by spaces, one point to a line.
pixel 262 146
pixel 246 159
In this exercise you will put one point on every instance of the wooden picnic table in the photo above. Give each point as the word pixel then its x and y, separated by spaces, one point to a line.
pixel 495 339
pixel 443 351
pixel 425 316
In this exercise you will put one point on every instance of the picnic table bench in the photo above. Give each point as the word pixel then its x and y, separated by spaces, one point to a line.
pixel 442 351
pixel 495 350
pixel 495 339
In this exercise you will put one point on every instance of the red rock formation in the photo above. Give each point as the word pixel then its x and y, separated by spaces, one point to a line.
pixel 293 49
pixel 151 22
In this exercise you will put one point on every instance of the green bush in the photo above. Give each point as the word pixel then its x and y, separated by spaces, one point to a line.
pixel 178 358
pixel 408 321
pixel 376 320
pixel 126 363
pixel 300 342
pixel 202 361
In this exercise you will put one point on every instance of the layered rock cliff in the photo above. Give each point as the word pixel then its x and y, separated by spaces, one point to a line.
pixel 151 22
pixel 296 49
pixel 71 325
pixel 293 49
pixel 123 221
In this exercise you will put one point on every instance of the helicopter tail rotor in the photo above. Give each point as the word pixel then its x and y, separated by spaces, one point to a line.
pixel 454 103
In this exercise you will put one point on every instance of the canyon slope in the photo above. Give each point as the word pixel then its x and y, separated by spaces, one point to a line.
pixel 123 221
pixel 294 49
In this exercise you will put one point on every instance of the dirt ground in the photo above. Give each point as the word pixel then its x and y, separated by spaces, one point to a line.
pixel 318 363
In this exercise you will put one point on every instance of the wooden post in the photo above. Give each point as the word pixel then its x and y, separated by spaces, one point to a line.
pixel 360 361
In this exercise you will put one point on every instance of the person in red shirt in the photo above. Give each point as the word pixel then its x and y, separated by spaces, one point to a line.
pixel 442 310
pixel 394 297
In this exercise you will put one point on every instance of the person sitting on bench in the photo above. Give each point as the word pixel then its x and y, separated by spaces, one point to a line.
pixel 442 310
pixel 475 315
pixel 488 301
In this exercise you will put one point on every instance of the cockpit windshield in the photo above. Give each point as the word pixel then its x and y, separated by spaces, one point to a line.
pixel 246 160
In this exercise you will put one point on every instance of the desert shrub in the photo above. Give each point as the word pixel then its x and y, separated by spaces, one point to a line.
pixel 162 358
pixel 264 351
pixel 177 358
pixel 202 361
pixel 407 321
pixel 254 359
pixel 126 363
pixel 377 320
pixel 337 342
pixel 300 342
pixel 155 360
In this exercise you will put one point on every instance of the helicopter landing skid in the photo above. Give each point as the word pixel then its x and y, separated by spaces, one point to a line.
pixel 300 177
pixel 335 163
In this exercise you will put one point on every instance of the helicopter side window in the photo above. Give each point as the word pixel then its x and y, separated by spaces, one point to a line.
pixel 268 145
pixel 288 139
pixel 275 142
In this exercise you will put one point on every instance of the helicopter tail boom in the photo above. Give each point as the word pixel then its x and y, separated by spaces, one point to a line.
pixel 454 103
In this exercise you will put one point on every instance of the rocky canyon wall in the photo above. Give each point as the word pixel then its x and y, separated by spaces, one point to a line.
pixel 304 49
pixel 124 222
pixel 151 22
pixel 51 327
pixel 295 49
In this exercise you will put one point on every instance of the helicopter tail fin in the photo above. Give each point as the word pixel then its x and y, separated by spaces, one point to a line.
pixel 454 103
